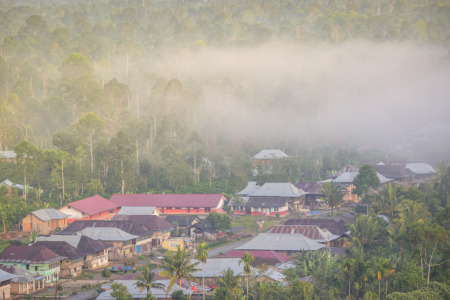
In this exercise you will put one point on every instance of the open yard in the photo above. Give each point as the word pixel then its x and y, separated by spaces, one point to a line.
pixel 250 223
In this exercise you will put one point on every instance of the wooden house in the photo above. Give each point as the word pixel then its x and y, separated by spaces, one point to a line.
pixel 44 221
pixel 92 208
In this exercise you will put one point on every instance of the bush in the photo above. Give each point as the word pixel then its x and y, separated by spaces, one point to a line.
pixel 106 273
pixel 15 242
pixel 59 287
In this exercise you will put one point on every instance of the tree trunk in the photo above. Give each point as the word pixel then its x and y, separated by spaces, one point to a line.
pixel 203 280
pixel 91 152
pixel 137 157
pixel 123 179
pixel 62 177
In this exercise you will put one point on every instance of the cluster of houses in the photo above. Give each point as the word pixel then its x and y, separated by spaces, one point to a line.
pixel 89 233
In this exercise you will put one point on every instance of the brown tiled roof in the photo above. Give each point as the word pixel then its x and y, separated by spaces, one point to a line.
pixel 337 228
pixel 62 248
pixel 311 187
pixel 29 254
pixel 151 222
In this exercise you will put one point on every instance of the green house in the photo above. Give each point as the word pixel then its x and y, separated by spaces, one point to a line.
pixel 36 259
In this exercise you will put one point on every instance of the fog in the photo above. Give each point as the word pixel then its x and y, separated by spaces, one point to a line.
pixel 363 93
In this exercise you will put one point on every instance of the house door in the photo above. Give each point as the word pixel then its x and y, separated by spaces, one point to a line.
pixel 138 249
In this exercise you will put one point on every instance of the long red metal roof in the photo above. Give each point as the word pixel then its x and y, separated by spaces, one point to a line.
pixel 168 200
pixel 93 205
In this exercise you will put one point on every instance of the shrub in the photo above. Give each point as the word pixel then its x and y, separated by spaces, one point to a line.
pixel 106 273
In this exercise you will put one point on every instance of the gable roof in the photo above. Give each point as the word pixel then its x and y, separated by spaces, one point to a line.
pixel 347 168
pixel 333 226
pixel 393 171
pixel 251 188
pixel 108 234
pixel 62 248
pixel 420 168
pixel 48 214
pixel 168 200
pixel 126 226
pixel 136 210
pixel 29 254
pixel 270 154
pixel 266 202
pixel 278 189
pixel 182 220
pixel 81 242
pixel 12 184
pixel 310 187
pixel 145 223
pixel 214 266
pixel 348 177
pixel 20 275
pixel 4 276
pixel 310 231
pixel 281 242
pixel 93 205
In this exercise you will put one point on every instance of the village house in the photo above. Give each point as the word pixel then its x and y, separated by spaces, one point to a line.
pixel 312 232
pixel 24 282
pixel 183 224
pixel 267 156
pixel 214 267
pixel 398 173
pixel 345 179
pixel 95 251
pixel 173 203
pixel 152 230
pixel 336 227
pixel 44 221
pixel 123 242
pixel 36 259
pixel 272 199
pixel 286 244
pixel 92 208
pixel 11 186
pixel 172 244
pixel 314 195
pixel 5 284
pixel 72 265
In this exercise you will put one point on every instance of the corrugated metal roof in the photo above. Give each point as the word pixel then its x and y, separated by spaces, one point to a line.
pixel 257 253
pixel 214 266
pixel 332 225
pixel 279 189
pixel 62 248
pixel 312 232
pixel 4 276
pixel 266 202
pixel 281 242
pixel 270 154
pixel 420 168
pixel 251 188
pixel 21 275
pixel 168 200
pixel 136 210
pixel 48 214
pixel 310 187
pixel 81 242
pixel 348 177
pixel 107 234
pixel 93 205
pixel 12 184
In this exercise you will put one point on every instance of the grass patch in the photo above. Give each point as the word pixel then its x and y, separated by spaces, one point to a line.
pixel 250 225
pixel 218 243
pixel 3 244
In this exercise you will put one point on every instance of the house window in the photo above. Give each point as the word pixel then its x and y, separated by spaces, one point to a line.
pixel 28 267
pixel 35 268
pixel 275 209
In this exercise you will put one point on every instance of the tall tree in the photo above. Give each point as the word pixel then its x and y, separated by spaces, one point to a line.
pixel 247 259
pixel 365 180
pixel 27 157
pixel 146 281
pixel 89 127
pixel 178 267
pixel 202 255
pixel 333 195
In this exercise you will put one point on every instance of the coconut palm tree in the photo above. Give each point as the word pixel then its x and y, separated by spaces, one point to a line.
pixel 178 267
pixel 333 195
pixel 202 255
pixel 146 281
pixel 231 283
pixel 247 259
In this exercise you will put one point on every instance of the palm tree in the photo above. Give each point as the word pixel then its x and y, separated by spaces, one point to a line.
pixel 333 195
pixel 178 267
pixel 230 283
pixel 247 259
pixel 146 281
pixel 202 255
pixel 366 231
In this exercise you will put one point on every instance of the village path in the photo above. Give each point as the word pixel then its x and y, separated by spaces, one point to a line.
pixel 226 248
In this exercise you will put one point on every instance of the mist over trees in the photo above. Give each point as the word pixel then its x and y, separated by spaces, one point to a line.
pixel 173 96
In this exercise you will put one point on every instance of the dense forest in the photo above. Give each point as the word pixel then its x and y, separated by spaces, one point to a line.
pixel 102 97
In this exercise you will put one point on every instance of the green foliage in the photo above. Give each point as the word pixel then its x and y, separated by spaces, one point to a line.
pixel 218 221
pixel 120 292
pixel 436 291
pixel 365 180
pixel 106 273
pixel 179 295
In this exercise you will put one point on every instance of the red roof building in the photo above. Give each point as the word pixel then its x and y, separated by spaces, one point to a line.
pixel 173 203
pixel 92 208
